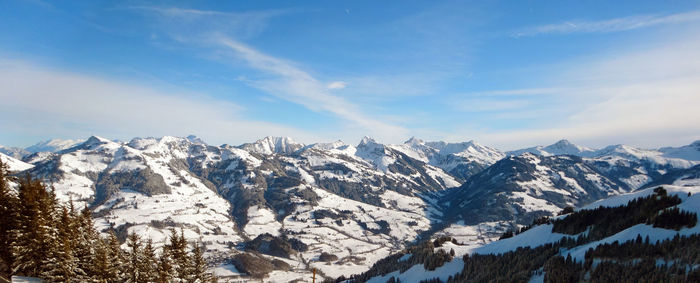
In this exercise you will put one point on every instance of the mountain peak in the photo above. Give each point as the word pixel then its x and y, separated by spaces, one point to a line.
pixel 98 139
pixel 93 141
pixel 366 140
pixel 195 139
pixel 563 142
pixel 53 145
pixel 565 147
pixel 272 144
pixel 414 141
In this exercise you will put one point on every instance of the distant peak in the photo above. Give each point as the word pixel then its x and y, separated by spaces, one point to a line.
pixel 96 140
pixel 367 140
pixel 276 139
pixel 563 142
pixel 414 141
pixel 328 146
pixel 53 145
pixel 272 144
pixel 194 139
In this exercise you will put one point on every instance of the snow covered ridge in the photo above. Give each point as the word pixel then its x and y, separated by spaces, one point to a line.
pixel 53 145
pixel 659 246
pixel 14 164
pixel 684 156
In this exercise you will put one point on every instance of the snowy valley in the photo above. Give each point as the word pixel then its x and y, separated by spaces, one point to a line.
pixel 340 208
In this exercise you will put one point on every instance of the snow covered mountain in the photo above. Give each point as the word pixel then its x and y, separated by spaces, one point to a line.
pixel 270 145
pixel 358 203
pixel 53 145
pixel 562 147
pixel 518 189
pixel 14 164
pixel 371 198
pixel 633 166
pixel 461 160
pixel 687 152
pixel 14 152
pixel 629 248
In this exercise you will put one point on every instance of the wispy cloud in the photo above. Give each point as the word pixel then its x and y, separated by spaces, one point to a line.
pixel 278 77
pixel 290 83
pixel 610 25
pixel 183 23
pixel 337 85
pixel 40 102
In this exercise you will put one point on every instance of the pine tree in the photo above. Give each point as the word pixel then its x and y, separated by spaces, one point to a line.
pixel 116 258
pixel 8 223
pixel 149 264
pixel 31 238
pixel 101 269
pixel 165 267
pixel 199 265
pixel 61 264
pixel 178 253
pixel 85 245
pixel 135 258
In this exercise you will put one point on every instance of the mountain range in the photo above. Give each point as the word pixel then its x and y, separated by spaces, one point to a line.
pixel 335 207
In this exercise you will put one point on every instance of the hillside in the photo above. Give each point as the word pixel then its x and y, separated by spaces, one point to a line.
pixel 650 234
pixel 333 206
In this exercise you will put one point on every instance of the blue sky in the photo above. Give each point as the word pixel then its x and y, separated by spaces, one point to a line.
pixel 505 73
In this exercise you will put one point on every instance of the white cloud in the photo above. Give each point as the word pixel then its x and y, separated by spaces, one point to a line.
pixel 337 85
pixel 647 98
pixel 610 25
pixel 295 85
pixel 279 77
pixel 40 102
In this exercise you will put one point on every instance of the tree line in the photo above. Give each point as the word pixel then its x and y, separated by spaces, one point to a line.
pixel 40 237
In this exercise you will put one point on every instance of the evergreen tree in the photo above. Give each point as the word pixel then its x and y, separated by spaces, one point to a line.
pixel 149 265
pixel 31 238
pixel 178 253
pixel 86 243
pixel 165 267
pixel 199 265
pixel 135 259
pixel 117 260
pixel 101 269
pixel 8 223
pixel 61 264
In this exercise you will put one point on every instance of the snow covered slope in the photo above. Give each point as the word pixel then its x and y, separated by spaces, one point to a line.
pixel 687 152
pixel 334 198
pixel 14 164
pixel 358 203
pixel 270 145
pixel 528 186
pixel 632 166
pixel 461 160
pixel 540 235
pixel 562 147
pixel 53 145
pixel 14 152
